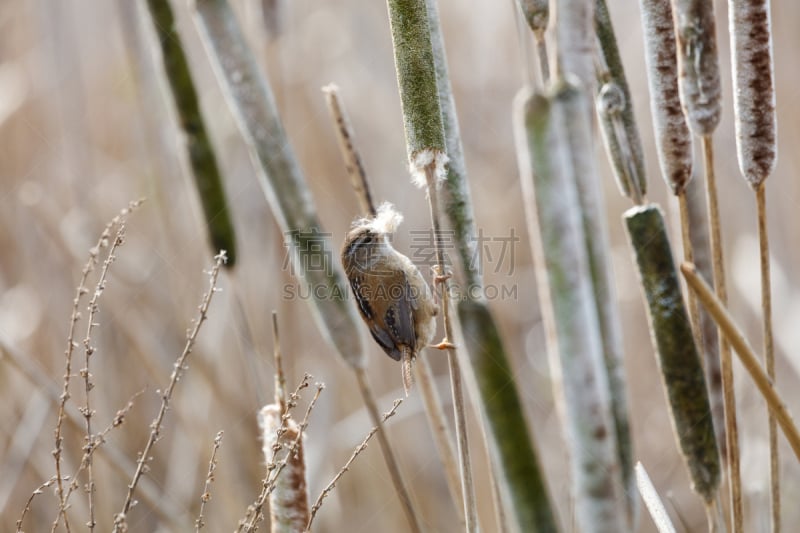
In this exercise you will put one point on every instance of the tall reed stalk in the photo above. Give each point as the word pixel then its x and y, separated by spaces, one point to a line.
pixel 199 150
pixel 516 465
pixel 756 146
pixel 427 157
pixel 545 129
pixel 700 92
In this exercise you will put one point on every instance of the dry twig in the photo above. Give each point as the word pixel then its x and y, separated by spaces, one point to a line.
pixel 155 428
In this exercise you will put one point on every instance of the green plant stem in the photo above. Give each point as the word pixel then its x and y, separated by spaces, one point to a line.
pixel 198 144
pixel 516 468
pixel 543 127
pixel 620 132
pixel 250 99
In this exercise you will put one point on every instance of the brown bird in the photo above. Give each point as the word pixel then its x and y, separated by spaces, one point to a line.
pixel 393 298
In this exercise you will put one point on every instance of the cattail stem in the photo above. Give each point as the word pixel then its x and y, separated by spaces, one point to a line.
pixel 249 97
pixel 441 432
pixel 769 349
pixel 426 148
pixel 614 105
pixel 543 126
pixel 349 150
pixel 756 147
pixel 729 395
pixel 580 144
pixel 514 457
pixel 537 15
pixel 688 256
pixel 199 150
pixel 732 334
pixel 465 461
pixel 575 41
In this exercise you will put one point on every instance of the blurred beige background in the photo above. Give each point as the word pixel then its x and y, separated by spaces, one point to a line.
pixel 80 138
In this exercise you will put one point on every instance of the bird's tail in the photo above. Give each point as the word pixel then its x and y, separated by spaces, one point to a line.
pixel 408 375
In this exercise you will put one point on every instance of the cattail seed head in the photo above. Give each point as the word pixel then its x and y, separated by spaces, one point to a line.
pixel 698 64
pixel 673 140
pixel 754 93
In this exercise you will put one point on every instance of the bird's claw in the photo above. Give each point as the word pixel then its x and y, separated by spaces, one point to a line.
pixel 438 277
pixel 444 345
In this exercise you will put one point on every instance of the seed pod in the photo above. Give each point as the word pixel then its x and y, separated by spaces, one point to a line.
pixel 288 502
pixel 698 64
pixel 416 79
pixel 753 89
pixel 673 140
pixel 678 359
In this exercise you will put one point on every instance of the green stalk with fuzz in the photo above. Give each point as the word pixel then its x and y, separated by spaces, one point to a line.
pixel 580 143
pixel 575 343
pixel 575 41
pixel 425 144
pixel 205 170
pixel 678 360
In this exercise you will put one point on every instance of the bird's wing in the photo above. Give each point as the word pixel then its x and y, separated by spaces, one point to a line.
pixel 385 302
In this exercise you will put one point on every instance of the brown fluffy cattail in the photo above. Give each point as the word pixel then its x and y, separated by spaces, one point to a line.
pixel 288 503
pixel 754 94
pixel 673 140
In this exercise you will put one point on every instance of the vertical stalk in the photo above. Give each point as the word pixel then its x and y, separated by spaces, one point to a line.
pixel 537 15
pixel 516 469
pixel 728 393
pixel 575 344
pixel 700 92
pixel 575 41
pixel 769 351
pixel 756 147
pixel 425 143
pixel 198 144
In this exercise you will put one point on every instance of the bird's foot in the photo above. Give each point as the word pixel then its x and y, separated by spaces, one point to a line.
pixel 444 345
pixel 438 277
